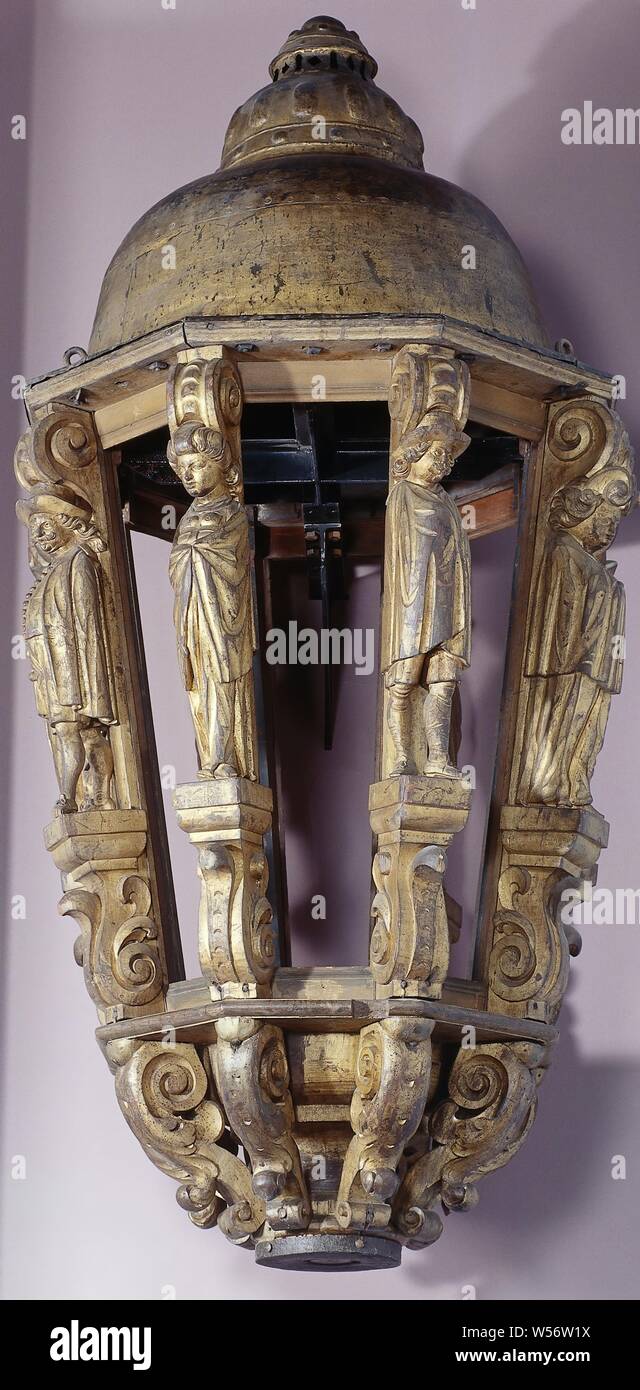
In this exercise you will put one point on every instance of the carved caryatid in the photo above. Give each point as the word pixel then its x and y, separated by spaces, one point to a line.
pixel 98 837
pixel 427 618
pixel 575 649
pixel 491 1105
pixel 210 568
pixel 571 665
pixel 165 1096
pixel 422 799
pixel 66 635
pixel 78 611
pixel 227 813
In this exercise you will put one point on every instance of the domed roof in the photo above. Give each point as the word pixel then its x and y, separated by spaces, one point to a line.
pixel 321 206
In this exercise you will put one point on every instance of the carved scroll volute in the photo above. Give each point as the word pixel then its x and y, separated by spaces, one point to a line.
pixel 102 856
pixel 163 1092
pixel 236 938
pixel 74 642
pixel 108 894
pixel 414 820
pixel 208 394
pixel 252 1075
pixel 570 666
pixel 226 820
pixel 61 448
pixel 490 1108
pixel 392 1083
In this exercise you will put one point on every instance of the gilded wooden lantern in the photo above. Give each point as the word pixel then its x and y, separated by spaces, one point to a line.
pixel 322 1118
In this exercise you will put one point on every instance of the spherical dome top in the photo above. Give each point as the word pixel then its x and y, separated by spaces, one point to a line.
pixel 321 206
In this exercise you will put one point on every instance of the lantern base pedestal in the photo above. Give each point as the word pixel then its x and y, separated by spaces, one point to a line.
pixel 304 1079
pixel 329 1252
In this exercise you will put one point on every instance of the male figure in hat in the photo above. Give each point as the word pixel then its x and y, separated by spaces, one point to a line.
pixel 66 636
pixel 576 651
pixel 427 584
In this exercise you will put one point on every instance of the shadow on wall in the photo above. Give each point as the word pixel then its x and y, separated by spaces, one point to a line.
pixel 582 202
pixel 15 86
pixel 562 1178
pixel 325 794
pixel 583 208
pixel 492 562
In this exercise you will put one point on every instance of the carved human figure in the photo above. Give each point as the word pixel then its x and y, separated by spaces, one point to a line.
pixel 576 645
pixel 67 642
pixel 213 607
pixel 427 591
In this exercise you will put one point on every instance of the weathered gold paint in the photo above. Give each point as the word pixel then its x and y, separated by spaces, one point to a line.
pixel 291 223
pixel 358 1097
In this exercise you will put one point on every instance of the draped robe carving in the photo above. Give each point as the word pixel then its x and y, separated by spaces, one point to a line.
pixel 213 617
pixel 210 568
pixel 430 572
pixel 575 658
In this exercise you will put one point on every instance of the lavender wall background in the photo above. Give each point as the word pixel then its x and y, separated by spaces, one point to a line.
pixel 125 101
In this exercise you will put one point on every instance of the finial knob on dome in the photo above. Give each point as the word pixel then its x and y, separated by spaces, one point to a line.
pixel 323 42
pixel 322 100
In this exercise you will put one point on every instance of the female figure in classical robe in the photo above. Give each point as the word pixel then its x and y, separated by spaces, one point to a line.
pixel 213 607
pixel 427 596
pixel 576 646
pixel 67 641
